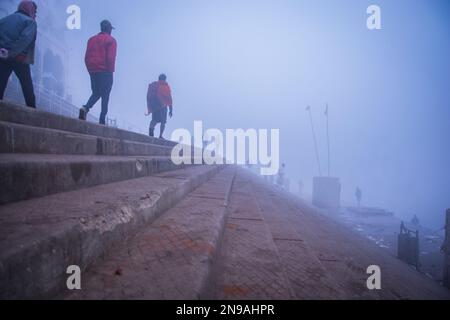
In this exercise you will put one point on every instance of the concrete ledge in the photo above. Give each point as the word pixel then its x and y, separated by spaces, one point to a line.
pixel 17 138
pixel 14 113
pixel 40 238
pixel 172 258
pixel 29 176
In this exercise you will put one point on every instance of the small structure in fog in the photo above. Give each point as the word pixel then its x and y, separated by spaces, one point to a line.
pixel 446 251
pixel 408 246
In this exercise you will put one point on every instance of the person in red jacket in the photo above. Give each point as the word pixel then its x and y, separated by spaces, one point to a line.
pixel 159 99
pixel 100 62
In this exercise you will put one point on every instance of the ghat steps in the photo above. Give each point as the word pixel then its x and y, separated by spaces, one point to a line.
pixel 70 191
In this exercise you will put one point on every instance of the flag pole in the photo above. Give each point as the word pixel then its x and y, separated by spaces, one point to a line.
pixel 328 138
pixel 315 140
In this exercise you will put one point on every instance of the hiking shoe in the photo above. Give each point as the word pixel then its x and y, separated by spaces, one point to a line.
pixel 83 113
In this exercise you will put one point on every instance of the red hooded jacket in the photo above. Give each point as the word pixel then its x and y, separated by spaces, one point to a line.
pixel 101 53
pixel 159 95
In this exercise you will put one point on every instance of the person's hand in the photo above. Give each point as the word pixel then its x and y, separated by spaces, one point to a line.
pixel 171 113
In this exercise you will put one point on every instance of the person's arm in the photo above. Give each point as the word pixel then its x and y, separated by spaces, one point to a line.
pixel 86 55
pixel 171 103
pixel 111 53
pixel 27 36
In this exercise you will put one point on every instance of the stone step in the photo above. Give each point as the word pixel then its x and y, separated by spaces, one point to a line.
pixel 26 176
pixel 172 258
pixel 303 269
pixel 18 138
pixel 325 259
pixel 13 113
pixel 248 266
pixel 41 238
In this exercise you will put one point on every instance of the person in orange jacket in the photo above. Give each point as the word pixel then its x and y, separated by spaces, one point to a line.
pixel 159 99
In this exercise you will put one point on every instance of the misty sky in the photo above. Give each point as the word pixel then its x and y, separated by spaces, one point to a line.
pixel 258 64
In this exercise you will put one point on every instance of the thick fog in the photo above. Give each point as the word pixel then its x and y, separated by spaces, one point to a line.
pixel 259 64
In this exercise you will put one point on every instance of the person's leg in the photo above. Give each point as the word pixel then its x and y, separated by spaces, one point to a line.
pixel 163 121
pixel 96 93
pixel 95 96
pixel 153 124
pixel 5 73
pixel 107 83
pixel 23 73
pixel 163 127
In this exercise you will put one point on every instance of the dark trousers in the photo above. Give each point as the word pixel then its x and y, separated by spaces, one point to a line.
pixel 23 73
pixel 101 84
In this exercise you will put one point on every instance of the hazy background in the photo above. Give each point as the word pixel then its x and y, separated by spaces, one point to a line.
pixel 258 64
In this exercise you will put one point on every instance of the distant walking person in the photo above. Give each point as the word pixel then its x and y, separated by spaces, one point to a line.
pixel 159 99
pixel 18 33
pixel 358 195
pixel 100 62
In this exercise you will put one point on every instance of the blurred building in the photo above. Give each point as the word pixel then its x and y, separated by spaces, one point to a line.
pixel 50 71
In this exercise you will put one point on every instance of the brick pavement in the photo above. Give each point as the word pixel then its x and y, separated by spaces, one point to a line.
pixel 248 266
pixel 171 259
pixel 338 256
pixel 266 244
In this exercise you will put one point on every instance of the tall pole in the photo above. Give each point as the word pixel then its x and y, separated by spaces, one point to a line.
pixel 315 140
pixel 328 139
pixel 446 249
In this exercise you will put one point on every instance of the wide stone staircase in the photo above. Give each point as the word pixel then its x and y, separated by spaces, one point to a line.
pixel 238 237
pixel 112 203
pixel 71 191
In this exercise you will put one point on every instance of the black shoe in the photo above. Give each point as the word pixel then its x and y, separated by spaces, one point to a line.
pixel 83 114
pixel 152 133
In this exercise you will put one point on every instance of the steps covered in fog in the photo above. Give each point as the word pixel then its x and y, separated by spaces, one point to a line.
pixel 40 238
pixel 71 191
pixel 16 114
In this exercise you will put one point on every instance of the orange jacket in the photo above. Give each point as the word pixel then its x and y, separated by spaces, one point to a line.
pixel 159 95
pixel 101 53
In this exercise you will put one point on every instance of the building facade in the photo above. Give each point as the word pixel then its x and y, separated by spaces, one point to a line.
pixel 50 71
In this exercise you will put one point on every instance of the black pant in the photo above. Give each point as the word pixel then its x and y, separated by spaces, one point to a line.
pixel 23 73
pixel 101 84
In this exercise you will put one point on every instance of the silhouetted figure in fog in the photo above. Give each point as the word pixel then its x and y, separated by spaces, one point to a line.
pixel 18 33
pixel 287 185
pixel 300 188
pixel 280 178
pixel 415 221
pixel 159 99
pixel 101 63
pixel 358 195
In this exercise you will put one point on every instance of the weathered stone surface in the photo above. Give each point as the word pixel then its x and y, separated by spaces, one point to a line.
pixel 172 258
pixel 40 238
pixel 17 138
pixel 26 116
pixel 274 247
pixel 327 260
pixel 25 176
pixel 248 266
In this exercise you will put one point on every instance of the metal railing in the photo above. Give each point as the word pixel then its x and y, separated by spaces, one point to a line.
pixel 51 102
